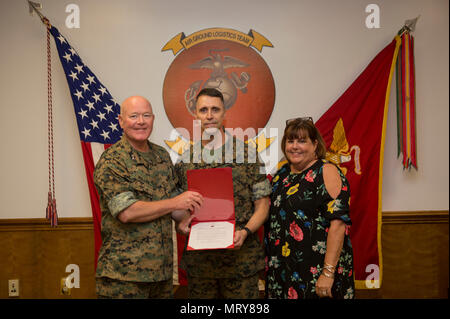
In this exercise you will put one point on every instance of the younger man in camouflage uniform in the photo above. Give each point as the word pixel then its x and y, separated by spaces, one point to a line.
pixel 227 273
pixel 136 181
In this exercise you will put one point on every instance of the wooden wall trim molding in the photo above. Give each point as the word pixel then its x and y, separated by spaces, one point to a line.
pixel 42 224
pixel 416 217
pixel 86 223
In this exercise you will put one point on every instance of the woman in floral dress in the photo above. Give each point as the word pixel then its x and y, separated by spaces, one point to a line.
pixel 308 250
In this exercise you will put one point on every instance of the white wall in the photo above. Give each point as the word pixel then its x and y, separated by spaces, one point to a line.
pixel 319 49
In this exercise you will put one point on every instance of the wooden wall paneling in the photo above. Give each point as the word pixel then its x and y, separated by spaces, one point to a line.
pixel 37 254
pixel 414 244
pixel 6 264
pixel 19 249
pixel 83 242
pixel 415 256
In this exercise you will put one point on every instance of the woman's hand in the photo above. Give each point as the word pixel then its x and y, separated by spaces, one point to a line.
pixel 323 286
pixel 239 238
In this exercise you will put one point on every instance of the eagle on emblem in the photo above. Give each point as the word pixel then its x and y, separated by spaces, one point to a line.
pixel 218 78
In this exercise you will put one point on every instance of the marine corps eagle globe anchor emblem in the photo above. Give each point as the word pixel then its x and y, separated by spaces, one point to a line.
pixel 227 60
pixel 218 79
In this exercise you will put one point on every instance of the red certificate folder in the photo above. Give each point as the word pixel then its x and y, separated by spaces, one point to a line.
pixel 214 222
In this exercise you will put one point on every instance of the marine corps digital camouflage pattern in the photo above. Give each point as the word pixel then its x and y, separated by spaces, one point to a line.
pixel 140 252
pixel 116 289
pixel 248 185
pixel 226 288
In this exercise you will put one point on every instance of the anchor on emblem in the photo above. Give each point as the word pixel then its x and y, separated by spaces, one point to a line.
pixel 218 79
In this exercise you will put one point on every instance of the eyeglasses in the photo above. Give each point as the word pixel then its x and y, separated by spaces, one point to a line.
pixel 145 116
pixel 307 118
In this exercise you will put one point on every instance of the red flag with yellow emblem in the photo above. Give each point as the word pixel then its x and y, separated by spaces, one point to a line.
pixel 354 131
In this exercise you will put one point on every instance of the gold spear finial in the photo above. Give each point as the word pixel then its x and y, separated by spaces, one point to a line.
pixel 409 26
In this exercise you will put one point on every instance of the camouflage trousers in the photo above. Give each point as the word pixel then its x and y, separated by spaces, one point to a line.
pixel 108 288
pixel 223 288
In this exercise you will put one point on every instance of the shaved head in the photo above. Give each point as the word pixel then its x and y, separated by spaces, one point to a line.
pixel 136 119
pixel 134 100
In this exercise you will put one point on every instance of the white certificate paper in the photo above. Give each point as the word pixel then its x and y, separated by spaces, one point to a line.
pixel 211 235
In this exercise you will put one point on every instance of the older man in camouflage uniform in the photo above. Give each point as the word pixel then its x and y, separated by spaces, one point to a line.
pixel 226 273
pixel 137 186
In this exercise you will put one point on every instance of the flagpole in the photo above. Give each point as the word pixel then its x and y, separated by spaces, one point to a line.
pixel 409 26
pixel 36 7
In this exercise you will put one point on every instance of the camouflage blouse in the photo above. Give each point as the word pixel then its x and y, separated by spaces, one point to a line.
pixel 139 252
pixel 249 185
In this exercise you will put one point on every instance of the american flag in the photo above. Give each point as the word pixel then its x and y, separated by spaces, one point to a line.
pixel 97 117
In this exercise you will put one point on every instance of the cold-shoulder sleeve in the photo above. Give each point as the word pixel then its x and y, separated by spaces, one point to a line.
pixel 338 208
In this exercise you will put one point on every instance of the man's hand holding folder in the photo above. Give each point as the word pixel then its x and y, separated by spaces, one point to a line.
pixel 213 223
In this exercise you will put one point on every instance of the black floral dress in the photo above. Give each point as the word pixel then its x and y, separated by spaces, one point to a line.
pixel 296 234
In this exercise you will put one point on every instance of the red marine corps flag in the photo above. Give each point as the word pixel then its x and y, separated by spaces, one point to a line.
pixel 354 131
